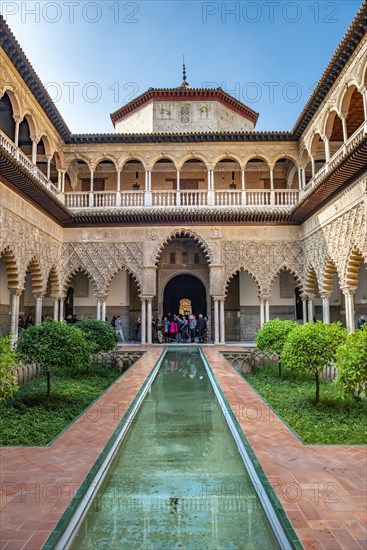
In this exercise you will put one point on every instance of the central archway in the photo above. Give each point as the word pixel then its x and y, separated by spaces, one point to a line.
pixel 184 286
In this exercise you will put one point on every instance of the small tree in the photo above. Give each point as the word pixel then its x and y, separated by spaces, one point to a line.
pixel 54 345
pixel 351 361
pixel 100 334
pixel 8 368
pixel 313 346
pixel 272 337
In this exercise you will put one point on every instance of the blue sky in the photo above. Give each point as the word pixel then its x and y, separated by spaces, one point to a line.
pixel 94 56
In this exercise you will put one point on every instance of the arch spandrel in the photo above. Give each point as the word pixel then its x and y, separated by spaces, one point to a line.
pixel 101 259
pixel 285 267
pixel 237 271
pixel 204 245
pixel 262 260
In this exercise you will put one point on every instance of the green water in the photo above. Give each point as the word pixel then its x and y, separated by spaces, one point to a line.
pixel 178 480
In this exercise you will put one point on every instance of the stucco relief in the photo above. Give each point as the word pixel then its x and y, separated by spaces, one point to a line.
pixel 28 243
pixel 336 241
pixel 101 261
pixel 262 260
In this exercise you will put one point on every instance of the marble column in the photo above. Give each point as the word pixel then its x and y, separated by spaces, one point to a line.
pixel 216 321
pixel 143 327
pixel 222 322
pixel 149 321
pixel 38 314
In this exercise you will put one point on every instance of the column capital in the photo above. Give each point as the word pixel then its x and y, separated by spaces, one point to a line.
pixel 347 290
pixel 325 295
pixel 17 291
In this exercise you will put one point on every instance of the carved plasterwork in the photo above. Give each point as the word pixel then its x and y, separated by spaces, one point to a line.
pixel 101 261
pixel 263 260
pixel 26 243
pixel 335 242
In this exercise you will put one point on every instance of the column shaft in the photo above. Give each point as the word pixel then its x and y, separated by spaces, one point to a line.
pixel 149 321
pixel 56 309
pixel 326 309
pixel 38 315
pixel 262 313
pixel 143 322
pixel 222 322
pixel 216 322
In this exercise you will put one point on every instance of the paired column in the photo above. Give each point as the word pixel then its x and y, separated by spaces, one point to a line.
pixel 311 307
pixel 222 326
pixel 14 319
pixel 304 309
pixel 62 308
pixel 216 321
pixel 149 320
pixel 38 310
pixel 262 312
pixel 325 307
pixel 143 321
pixel 56 309
pixel 349 308
pixel 101 308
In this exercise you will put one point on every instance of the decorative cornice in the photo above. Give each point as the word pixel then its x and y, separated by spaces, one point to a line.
pixel 185 94
pixel 199 137
pixel 207 215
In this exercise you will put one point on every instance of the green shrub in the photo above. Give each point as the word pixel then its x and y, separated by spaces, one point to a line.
pixel 100 334
pixel 54 345
pixel 8 367
pixel 311 347
pixel 351 362
pixel 272 337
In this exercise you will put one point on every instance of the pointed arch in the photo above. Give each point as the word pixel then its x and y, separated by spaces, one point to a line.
pixel 290 269
pixel 354 263
pixel 237 271
pixel 182 233
pixel 116 271
pixel 328 276
pixel 310 282
pixel 12 270
pixel 55 283
pixel 38 282
pixel 69 276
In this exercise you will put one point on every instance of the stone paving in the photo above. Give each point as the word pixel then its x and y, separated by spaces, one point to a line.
pixel 322 488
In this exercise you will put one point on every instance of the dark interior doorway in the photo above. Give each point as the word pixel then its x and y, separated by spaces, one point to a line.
pixel 184 286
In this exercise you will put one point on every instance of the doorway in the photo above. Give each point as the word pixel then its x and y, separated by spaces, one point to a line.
pixel 184 287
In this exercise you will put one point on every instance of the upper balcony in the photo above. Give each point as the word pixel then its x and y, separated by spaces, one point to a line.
pixel 80 192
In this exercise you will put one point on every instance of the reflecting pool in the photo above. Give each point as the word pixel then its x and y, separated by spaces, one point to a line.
pixel 178 480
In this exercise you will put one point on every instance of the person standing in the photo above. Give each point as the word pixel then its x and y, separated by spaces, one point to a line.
pixel 118 329
pixel 201 328
pixel 361 322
